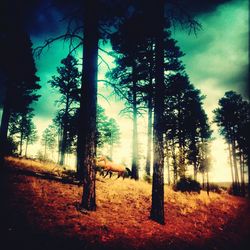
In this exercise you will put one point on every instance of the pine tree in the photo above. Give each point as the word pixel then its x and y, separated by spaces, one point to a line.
pixel 67 82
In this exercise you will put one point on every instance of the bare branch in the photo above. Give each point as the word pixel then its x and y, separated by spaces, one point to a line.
pixel 38 50
pixel 105 62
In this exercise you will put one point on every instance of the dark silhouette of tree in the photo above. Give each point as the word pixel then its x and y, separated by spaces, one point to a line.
pixel 186 125
pixel 67 82
pixel 20 78
pixel 22 129
pixel 232 118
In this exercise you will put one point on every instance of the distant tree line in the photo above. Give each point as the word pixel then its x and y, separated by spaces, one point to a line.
pixel 233 119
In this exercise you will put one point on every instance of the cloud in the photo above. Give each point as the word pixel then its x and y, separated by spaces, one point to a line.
pixel 216 60
pixel 46 65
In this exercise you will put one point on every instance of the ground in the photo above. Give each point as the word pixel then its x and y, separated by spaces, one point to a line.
pixel 42 213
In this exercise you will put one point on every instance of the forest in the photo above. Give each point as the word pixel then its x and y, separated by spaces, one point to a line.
pixel 86 187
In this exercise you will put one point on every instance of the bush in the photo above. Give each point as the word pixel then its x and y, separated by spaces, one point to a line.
pixel 187 184
pixel 215 188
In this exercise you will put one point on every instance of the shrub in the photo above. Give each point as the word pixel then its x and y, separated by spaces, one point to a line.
pixel 187 184
pixel 215 188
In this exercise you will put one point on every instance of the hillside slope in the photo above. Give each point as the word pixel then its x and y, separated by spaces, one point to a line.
pixel 43 214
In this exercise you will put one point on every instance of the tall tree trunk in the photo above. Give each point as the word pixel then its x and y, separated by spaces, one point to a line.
pixel 168 162
pixel 237 186
pixel 88 104
pixel 195 170
pixel 150 112
pixel 65 131
pixel 208 188
pixel 135 174
pixel 175 168
pixel 21 143
pixel 149 142
pixel 231 164
pixel 26 147
pixel 157 208
pixel 4 127
pixel 243 190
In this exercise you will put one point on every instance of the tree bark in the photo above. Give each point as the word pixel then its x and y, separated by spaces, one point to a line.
pixel 157 208
pixel 65 131
pixel 231 164
pixel 149 142
pixel 135 174
pixel 168 162
pixel 150 112
pixel 88 105
pixel 26 147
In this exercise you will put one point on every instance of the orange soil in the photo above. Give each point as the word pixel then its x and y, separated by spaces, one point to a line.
pixel 47 210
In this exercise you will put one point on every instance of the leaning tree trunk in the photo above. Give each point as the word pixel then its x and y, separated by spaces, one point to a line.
pixel 88 104
pixel 4 128
pixel 135 174
pixel 157 208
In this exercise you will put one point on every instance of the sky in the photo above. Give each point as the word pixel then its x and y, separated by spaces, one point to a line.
pixel 216 60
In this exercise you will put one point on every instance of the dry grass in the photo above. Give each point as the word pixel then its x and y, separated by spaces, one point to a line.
pixel 123 208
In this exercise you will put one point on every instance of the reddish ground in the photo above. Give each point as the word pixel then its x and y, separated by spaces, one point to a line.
pixel 42 214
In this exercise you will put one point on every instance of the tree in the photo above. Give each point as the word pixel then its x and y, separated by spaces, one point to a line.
pixel 108 133
pixel 22 128
pixel 67 82
pixel 31 136
pixel 48 140
pixel 157 207
pixel 232 118
pixel 20 79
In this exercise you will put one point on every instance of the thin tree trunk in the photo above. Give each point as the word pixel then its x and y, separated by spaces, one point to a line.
pixel 195 170
pixel 65 131
pixel 150 112
pixel 21 143
pixel 4 128
pixel 231 164
pixel 208 188
pixel 157 208
pixel 135 174
pixel 26 147
pixel 174 162
pixel 243 190
pixel 168 163
pixel 235 167
pixel 88 104
pixel 149 142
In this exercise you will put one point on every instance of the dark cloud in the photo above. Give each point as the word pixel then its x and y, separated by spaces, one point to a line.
pixel 197 7
pixel 217 58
